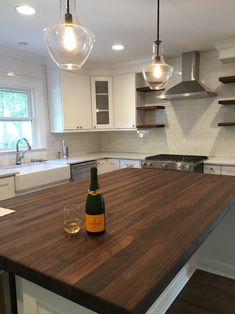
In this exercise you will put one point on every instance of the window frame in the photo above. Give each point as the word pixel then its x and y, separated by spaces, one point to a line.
pixel 30 116
pixel 36 89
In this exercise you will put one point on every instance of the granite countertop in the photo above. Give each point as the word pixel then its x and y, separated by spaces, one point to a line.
pixel 97 156
pixel 73 159
pixel 7 172
pixel 12 170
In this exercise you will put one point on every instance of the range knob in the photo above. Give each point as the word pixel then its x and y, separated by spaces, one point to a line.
pixel 147 164
pixel 187 167
pixel 164 165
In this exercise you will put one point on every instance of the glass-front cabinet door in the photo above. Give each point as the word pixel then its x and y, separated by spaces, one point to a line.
pixel 102 106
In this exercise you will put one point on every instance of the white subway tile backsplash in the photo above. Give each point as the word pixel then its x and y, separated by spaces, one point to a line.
pixel 191 125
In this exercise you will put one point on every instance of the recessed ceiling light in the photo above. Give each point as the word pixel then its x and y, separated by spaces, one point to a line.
pixel 11 74
pixel 22 43
pixel 118 47
pixel 25 10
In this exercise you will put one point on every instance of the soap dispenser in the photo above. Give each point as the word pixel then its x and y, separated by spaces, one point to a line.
pixel 65 150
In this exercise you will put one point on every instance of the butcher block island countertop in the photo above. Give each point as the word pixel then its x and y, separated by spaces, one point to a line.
pixel 156 220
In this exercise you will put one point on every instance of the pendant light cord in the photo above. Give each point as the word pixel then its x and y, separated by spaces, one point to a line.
pixel 68 16
pixel 157 42
pixel 158 20
pixel 67 4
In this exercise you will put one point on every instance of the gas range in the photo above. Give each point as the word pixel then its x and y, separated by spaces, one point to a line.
pixel 187 163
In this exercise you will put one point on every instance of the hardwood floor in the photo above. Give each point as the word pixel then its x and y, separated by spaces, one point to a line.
pixel 205 293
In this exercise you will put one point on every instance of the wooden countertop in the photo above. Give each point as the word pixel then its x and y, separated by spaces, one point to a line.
pixel 155 221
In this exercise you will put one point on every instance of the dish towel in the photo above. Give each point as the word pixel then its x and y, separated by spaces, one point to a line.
pixel 5 211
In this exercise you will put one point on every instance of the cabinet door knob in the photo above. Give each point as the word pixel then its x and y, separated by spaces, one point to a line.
pixel 94 126
pixel 133 125
pixel 77 127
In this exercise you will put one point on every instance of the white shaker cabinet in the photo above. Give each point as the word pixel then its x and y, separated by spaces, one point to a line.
pixel 219 169
pixel 228 170
pixel 212 169
pixel 107 164
pixel 102 102
pixel 124 98
pixel 7 188
pixel 69 99
pixel 128 163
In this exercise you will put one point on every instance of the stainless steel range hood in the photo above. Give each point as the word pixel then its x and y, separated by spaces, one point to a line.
pixel 190 86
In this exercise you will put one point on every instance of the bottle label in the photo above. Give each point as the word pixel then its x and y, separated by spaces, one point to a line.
pixel 96 192
pixel 95 223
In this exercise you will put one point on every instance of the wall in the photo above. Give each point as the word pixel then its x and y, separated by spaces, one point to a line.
pixel 191 125
pixel 78 143
pixel 26 68
pixel 31 67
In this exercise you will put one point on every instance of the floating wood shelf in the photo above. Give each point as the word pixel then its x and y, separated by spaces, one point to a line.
pixel 148 89
pixel 150 126
pixel 227 102
pixel 227 79
pixel 226 124
pixel 150 107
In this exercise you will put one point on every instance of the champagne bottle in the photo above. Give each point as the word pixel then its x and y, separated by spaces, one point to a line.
pixel 95 208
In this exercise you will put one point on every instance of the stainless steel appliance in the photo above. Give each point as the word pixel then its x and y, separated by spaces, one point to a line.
pixel 81 170
pixel 190 87
pixel 187 163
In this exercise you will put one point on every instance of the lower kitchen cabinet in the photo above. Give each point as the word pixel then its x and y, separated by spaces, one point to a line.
pixel 106 165
pixel 219 169
pixel 228 170
pixel 212 169
pixel 111 164
pixel 7 187
pixel 128 163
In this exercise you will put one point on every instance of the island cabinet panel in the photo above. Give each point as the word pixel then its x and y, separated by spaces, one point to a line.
pixel 156 220
pixel 7 187
pixel 33 299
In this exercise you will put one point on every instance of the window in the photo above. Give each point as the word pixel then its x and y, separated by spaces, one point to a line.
pixel 16 119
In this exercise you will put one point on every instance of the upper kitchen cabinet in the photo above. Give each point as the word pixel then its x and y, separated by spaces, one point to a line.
pixel 69 99
pixel 102 105
pixel 124 96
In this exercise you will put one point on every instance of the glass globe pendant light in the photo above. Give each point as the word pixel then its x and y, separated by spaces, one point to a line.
pixel 157 73
pixel 69 44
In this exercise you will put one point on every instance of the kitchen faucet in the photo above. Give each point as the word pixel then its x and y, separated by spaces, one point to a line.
pixel 18 156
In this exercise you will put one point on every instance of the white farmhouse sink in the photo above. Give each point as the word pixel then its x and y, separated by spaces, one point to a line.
pixel 35 176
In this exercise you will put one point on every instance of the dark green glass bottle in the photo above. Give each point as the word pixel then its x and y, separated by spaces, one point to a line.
pixel 95 208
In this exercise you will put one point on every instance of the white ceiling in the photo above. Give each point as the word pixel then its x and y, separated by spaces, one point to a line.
pixel 184 25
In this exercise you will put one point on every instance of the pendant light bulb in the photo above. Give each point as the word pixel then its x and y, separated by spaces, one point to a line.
pixel 69 40
pixel 157 73
pixel 69 44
